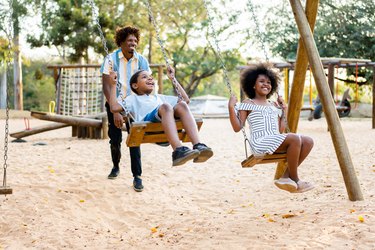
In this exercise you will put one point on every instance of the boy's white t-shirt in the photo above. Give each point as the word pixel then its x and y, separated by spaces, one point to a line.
pixel 141 105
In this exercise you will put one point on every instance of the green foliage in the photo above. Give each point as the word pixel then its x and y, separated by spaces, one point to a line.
pixel 39 86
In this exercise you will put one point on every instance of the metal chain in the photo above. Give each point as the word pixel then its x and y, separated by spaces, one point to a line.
pixel 95 14
pixel 213 32
pixel 161 44
pixel 258 33
pixel 7 62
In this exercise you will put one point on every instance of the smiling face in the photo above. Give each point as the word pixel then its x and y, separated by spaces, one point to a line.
pixel 129 45
pixel 145 83
pixel 262 85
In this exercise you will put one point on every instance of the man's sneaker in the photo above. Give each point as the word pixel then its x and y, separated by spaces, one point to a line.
pixel 114 173
pixel 205 152
pixel 183 154
pixel 137 184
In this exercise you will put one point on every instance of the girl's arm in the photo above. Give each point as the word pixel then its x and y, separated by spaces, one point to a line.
pixel 171 76
pixel 282 120
pixel 115 106
pixel 236 123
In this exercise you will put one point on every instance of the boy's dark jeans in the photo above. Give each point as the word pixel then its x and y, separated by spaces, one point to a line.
pixel 115 136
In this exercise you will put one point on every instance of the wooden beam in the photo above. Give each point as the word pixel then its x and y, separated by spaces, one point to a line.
pixel 373 97
pixel 338 138
pixel 331 78
pixel 71 120
pixel 37 130
pixel 298 84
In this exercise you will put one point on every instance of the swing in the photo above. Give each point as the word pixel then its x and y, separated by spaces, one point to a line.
pixel 4 189
pixel 147 132
pixel 253 159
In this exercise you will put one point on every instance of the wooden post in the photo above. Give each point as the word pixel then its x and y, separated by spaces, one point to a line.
pixel 286 85
pixel 298 85
pixel 373 97
pixel 331 78
pixel 342 151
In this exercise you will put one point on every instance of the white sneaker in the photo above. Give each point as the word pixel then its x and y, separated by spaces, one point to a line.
pixel 286 184
pixel 304 186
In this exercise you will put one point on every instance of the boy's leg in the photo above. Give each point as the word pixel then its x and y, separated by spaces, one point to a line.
pixel 168 122
pixel 182 111
pixel 115 135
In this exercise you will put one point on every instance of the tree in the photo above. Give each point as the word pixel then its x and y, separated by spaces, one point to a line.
pixel 186 32
pixel 343 29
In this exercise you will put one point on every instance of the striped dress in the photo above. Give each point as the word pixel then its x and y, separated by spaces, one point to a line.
pixel 264 128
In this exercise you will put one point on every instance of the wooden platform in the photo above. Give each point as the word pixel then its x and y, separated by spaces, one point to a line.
pixel 253 160
pixel 149 132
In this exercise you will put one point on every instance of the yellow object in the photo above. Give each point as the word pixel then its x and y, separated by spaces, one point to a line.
pixel 154 230
pixel 52 106
pixel 361 219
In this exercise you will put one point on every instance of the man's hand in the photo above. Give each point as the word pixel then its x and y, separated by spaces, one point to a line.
pixel 118 119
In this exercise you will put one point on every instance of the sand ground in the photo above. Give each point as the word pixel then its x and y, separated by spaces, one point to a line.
pixel 63 199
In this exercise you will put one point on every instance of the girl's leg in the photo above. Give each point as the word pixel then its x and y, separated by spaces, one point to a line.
pixel 292 146
pixel 182 111
pixel 307 145
pixel 169 125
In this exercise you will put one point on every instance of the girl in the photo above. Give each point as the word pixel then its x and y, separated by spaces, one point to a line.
pixel 267 124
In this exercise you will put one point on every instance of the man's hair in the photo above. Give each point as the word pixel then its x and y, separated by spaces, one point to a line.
pixel 250 75
pixel 134 79
pixel 123 32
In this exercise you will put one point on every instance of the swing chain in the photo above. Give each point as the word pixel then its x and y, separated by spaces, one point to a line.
pixel 258 33
pixel 225 72
pixel 7 62
pixel 161 44
pixel 95 14
pixel 226 77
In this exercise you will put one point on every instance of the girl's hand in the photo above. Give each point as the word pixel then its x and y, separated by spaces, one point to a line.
pixel 232 101
pixel 113 77
pixel 281 103
pixel 170 72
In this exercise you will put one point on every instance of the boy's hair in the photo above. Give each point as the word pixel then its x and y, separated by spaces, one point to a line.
pixel 250 75
pixel 123 32
pixel 134 79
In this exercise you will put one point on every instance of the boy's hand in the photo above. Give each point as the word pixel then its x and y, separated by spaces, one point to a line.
pixel 170 72
pixel 113 77
pixel 232 101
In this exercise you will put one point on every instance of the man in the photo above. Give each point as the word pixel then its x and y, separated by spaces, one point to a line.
pixel 125 61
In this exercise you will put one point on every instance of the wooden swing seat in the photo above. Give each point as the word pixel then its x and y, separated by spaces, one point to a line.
pixel 263 159
pixel 6 190
pixel 152 132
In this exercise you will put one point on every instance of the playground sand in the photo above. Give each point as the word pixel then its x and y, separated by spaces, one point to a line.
pixel 63 199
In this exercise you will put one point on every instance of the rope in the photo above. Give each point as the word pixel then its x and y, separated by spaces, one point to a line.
pixel 161 44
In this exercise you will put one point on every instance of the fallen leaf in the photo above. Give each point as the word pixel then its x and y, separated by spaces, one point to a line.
pixel 81 201
pixel 361 219
pixel 285 216
pixel 352 211
pixel 154 229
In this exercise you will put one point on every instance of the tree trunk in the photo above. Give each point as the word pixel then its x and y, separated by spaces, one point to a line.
pixel 3 87
pixel 17 68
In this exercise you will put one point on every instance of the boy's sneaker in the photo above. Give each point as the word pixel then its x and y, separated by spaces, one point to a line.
pixel 114 173
pixel 183 154
pixel 205 152
pixel 137 184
